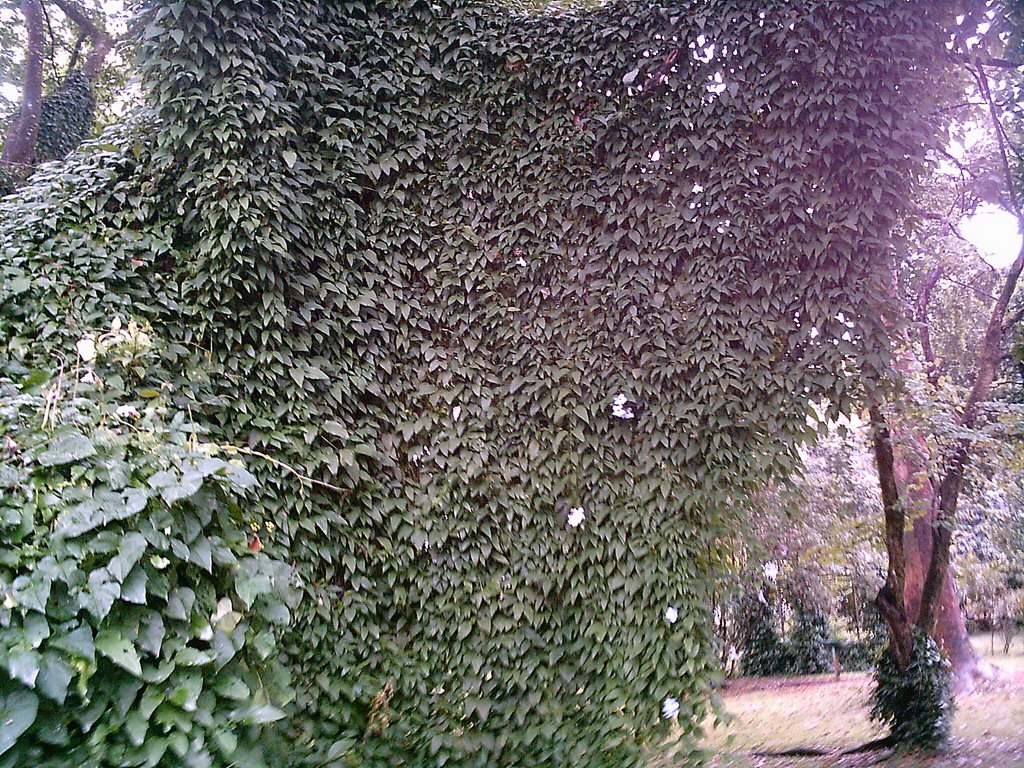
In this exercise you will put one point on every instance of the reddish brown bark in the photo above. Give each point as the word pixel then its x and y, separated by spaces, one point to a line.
pixel 950 629
pixel 101 41
pixel 890 599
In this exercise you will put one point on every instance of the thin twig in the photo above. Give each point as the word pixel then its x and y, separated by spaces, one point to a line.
pixel 287 467
pixel 943 218
pixel 968 286
pixel 986 94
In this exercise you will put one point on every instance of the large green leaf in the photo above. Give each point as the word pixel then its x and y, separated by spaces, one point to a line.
pixel 17 713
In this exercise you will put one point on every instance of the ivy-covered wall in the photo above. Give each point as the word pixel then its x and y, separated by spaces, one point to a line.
pixel 533 299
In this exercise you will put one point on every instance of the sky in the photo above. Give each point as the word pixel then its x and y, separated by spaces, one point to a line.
pixel 994 233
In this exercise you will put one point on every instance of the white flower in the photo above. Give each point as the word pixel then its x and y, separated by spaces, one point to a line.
pixel 619 408
pixel 697 189
pixel 671 615
pixel 670 707
pixel 127 412
pixel 520 262
pixel 771 571
pixel 456 412
pixel 86 347
pixel 576 517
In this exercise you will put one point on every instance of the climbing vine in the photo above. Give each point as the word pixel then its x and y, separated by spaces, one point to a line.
pixel 534 299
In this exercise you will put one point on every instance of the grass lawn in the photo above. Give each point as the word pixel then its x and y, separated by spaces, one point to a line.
pixel 819 712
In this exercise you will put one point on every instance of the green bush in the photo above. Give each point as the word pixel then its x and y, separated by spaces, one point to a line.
pixel 915 703
pixel 860 655
pixel 811 642
pixel 763 651
pixel 139 626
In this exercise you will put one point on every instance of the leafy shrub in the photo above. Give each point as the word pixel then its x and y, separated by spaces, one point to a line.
pixel 764 653
pixel 860 655
pixel 915 703
pixel 139 625
pixel 811 642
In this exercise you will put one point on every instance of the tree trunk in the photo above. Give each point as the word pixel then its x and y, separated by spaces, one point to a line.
pixel 910 465
pixel 950 627
pixel 19 150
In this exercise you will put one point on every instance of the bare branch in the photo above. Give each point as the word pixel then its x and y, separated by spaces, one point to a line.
pixel 101 41
pixel 997 125
pixel 968 286
pixel 941 217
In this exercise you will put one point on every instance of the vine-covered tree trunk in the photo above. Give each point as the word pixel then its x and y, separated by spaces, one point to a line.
pixel 917 492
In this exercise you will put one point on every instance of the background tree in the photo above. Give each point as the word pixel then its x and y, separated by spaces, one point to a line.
pixel 917 614
pixel 54 81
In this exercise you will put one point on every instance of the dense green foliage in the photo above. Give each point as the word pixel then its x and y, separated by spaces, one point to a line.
pixel 527 304
pixel 811 642
pixel 138 627
pixel 763 650
pixel 66 118
pixel 915 703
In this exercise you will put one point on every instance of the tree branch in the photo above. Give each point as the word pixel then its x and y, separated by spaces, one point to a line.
pixel 944 219
pixel 969 287
pixel 957 458
pixel 76 52
pixel 101 41
pixel 923 300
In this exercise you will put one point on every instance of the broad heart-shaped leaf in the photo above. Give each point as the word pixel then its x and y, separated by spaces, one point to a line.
pixel 133 590
pixel 191 481
pixel 104 507
pixel 129 552
pixel 55 675
pixel 98 598
pixel 78 642
pixel 9 477
pixel 151 633
pixel 66 448
pixel 115 647
pixel 33 591
pixel 17 713
pixel 24 666
pixel 257 714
